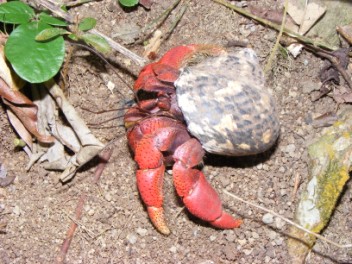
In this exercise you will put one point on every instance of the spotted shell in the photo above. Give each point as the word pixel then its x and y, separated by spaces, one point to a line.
pixel 226 105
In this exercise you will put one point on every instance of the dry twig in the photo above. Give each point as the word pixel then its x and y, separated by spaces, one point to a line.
pixel 277 43
pixel 66 245
pixel 288 221
pixel 104 159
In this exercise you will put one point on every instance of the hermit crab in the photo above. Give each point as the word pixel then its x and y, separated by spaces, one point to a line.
pixel 197 98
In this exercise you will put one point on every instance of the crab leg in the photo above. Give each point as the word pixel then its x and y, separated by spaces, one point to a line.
pixel 198 195
pixel 149 156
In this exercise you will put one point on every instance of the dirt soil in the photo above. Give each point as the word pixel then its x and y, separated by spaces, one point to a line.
pixel 36 210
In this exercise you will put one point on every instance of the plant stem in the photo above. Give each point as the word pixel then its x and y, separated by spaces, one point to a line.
pixel 55 9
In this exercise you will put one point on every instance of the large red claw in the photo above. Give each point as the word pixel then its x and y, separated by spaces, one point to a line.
pixel 198 195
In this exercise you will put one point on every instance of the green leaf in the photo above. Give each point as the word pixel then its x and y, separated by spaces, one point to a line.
pixel 16 13
pixel 97 42
pixel 128 3
pixel 73 37
pixel 34 61
pixel 44 17
pixel 87 24
pixel 50 33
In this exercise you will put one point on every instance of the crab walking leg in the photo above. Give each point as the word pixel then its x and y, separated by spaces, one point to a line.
pixel 150 184
pixel 149 156
pixel 198 195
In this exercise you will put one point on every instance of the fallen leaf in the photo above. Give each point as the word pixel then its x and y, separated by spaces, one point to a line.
pixel 275 16
pixel 329 71
pixel 312 14
pixel 146 3
pixel 20 105
pixel 305 15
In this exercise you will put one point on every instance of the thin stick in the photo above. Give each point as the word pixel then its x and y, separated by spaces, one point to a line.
pixel 55 9
pixel 150 28
pixel 60 259
pixel 277 43
pixel 177 20
pixel 103 160
pixel 277 27
pixel 288 221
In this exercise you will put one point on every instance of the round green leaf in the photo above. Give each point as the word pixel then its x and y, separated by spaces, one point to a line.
pixel 87 24
pixel 34 61
pixel 16 13
pixel 44 17
pixel 128 3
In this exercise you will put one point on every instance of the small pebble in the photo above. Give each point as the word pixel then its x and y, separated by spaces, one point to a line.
pixel 212 238
pixel 279 241
pixel 16 210
pixel 173 249
pixel 131 238
pixel 279 223
pixel 108 197
pixel 267 259
pixel 255 235
pixel 290 148
pixel 272 234
pixel 91 212
pixel 247 252
pixel 242 241
pixel 268 218
pixel 142 231
pixel 230 237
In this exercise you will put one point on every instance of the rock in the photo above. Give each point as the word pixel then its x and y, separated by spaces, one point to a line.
pixel 16 210
pixel 279 223
pixel 272 234
pixel 255 235
pixel 173 249
pixel 230 253
pixel 230 236
pixel 212 238
pixel 279 241
pixel 242 241
pixel 108 197
pixel 132 238
pixel 142 231
pixel 290 148
pixel 247 252
pixel 268 219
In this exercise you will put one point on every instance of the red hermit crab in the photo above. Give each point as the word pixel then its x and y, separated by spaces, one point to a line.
pixel 196 98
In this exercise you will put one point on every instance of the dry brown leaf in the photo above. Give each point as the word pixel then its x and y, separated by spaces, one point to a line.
pixel 19 104
pixel 146 3
pixel 24 109
pixel 305 16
